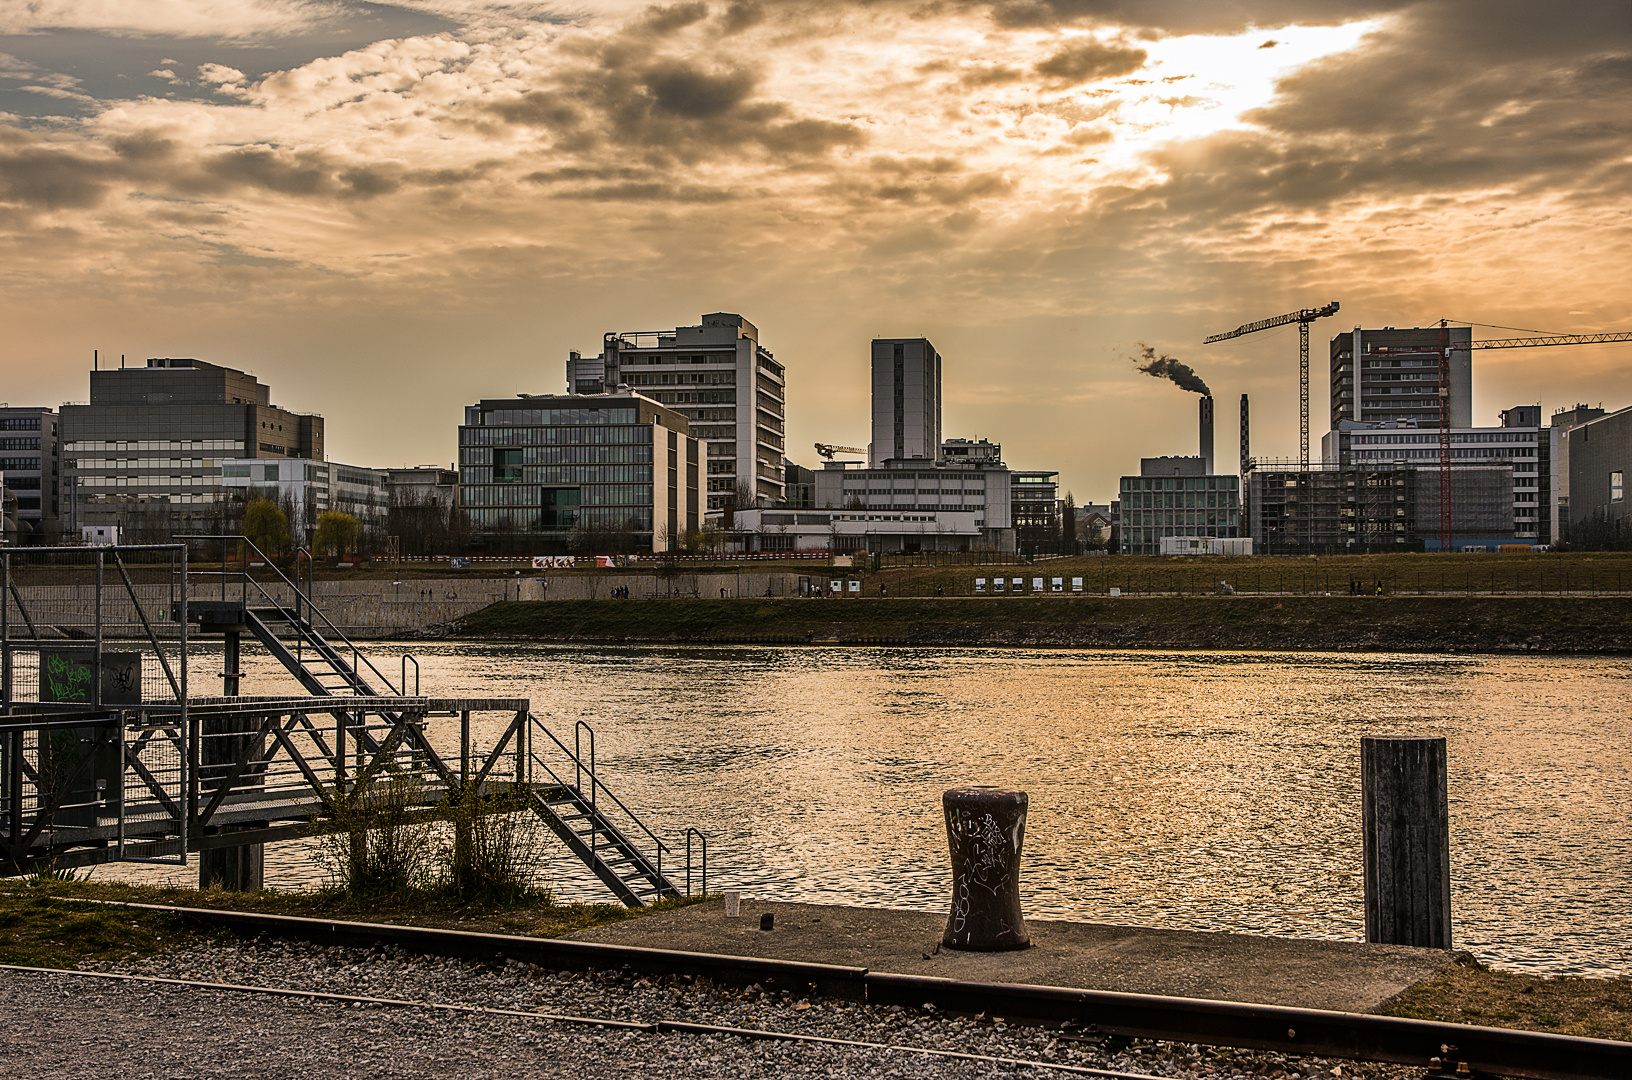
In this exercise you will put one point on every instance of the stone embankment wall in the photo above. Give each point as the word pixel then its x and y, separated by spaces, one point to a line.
pixel 376 608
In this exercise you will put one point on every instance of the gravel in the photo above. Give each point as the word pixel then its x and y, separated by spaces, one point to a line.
pixel 65 1025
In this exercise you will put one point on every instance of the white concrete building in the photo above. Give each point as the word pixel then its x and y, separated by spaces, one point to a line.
pixel 846 531
pixel 722 380
pixel 922 487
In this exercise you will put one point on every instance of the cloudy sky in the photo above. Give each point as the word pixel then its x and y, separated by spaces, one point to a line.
pixel 389 210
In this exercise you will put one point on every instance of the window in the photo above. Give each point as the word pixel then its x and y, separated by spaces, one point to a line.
pixel 506 466
pixel 1616 481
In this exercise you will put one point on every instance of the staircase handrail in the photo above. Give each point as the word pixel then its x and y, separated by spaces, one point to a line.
pixel 594 780
pixel 357 654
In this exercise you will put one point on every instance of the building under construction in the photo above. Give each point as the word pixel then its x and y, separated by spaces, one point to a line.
pixel 1348 509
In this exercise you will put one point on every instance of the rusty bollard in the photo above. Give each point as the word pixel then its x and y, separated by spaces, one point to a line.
pixel 985 827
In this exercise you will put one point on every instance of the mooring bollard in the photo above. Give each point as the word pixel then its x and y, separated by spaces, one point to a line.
pixel 1407 842
pixel 985 828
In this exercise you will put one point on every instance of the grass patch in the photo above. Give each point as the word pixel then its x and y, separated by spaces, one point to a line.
pixel 43 913
pixel 1563 1005
pixel 1326 623
pixel 41 927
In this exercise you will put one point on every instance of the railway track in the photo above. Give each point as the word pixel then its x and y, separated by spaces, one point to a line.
pixel 1447 1049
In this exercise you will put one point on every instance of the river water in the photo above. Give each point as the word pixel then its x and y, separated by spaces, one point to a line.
pixel 1213 791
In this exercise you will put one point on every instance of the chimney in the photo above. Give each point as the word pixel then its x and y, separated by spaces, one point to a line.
pixel 1207 434
pixel 1246 443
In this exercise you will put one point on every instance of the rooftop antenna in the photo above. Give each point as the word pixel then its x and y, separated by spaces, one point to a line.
pixel 96 363
pixel 121 360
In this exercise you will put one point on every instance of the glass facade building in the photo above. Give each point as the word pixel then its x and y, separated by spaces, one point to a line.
pixel 578 473
pixel 1175 505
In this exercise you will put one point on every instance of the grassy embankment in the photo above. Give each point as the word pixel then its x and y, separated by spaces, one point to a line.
pixel 1398 623
pixel 50 924
pixel 53 925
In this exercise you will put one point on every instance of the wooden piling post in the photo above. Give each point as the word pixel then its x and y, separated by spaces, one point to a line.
pixel 1407 843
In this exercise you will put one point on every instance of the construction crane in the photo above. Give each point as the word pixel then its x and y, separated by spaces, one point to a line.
pixel 1303 319
pixel 827 450
pixel 1445 350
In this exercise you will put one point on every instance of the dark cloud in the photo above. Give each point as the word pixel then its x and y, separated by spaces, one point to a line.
pixel 741 15
pixel 44 177
pixel 1091 60
pixel 1161 17
pixel 666 20
pixel 687 90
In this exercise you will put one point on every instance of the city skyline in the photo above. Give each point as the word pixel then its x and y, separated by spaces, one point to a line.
pixel 388 211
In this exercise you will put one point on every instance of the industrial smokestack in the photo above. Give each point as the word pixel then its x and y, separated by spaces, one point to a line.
pixel 1246 442
pixel 1207 434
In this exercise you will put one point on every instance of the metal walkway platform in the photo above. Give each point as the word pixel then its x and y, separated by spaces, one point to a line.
pixel 106 756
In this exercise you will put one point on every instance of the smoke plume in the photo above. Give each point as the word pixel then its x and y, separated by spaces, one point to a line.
pixel 1165 367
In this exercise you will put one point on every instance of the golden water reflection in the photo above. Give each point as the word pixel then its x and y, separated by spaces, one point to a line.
pixel 1201 790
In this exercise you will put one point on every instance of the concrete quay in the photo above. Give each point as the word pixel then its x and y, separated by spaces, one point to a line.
pixel 1293 972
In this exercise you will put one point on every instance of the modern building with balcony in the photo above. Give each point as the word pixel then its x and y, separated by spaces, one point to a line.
pixel 581 473
pixel 728 386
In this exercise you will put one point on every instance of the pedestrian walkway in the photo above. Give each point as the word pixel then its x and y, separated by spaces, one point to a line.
pixel 1297 972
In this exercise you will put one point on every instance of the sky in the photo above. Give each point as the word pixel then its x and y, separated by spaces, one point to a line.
pixel 387 211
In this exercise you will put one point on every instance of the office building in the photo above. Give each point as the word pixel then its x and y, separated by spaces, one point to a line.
pixel 1600 462
pixel 1392 376
pixel 1176 496
pixel 728 386
pixel 30 463
pixel 1564 421
pixel 799 486
pixel 1522 444
pixel 906 375
pixel 582 473
pixel 148 448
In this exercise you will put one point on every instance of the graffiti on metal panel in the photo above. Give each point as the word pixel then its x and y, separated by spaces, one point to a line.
pixel 65 677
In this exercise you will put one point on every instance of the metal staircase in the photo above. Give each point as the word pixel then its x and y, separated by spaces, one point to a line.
pixel 574 812
pixel 574 803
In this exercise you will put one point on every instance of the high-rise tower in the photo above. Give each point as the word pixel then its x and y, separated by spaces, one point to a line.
pixel 906 400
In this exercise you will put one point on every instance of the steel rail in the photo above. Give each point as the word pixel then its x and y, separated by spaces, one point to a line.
pixel 1284 1029
pixel 653 1027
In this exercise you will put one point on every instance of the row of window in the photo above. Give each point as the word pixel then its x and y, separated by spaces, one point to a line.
pixel 696 397
pixel 562 416
pixel 95 445
pixel 1457 438
pixel 19 423
pixel 616 454
pixel 1179 483
pixel 159 482
pixel 19 444
pixel 10 463
pixel 555 436
pixel 681 378
pixel 1180 500
pixel 1184 518
pixel 633 518
pixel 481 492
pixel 144 463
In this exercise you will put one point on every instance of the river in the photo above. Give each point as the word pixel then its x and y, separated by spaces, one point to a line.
pixel 1213 791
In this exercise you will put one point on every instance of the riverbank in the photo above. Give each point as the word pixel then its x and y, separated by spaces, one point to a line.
pixel 1276 623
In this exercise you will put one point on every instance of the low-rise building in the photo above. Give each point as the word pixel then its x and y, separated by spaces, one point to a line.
pixel 920 488
pixel 1176 497
pixel 846 531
